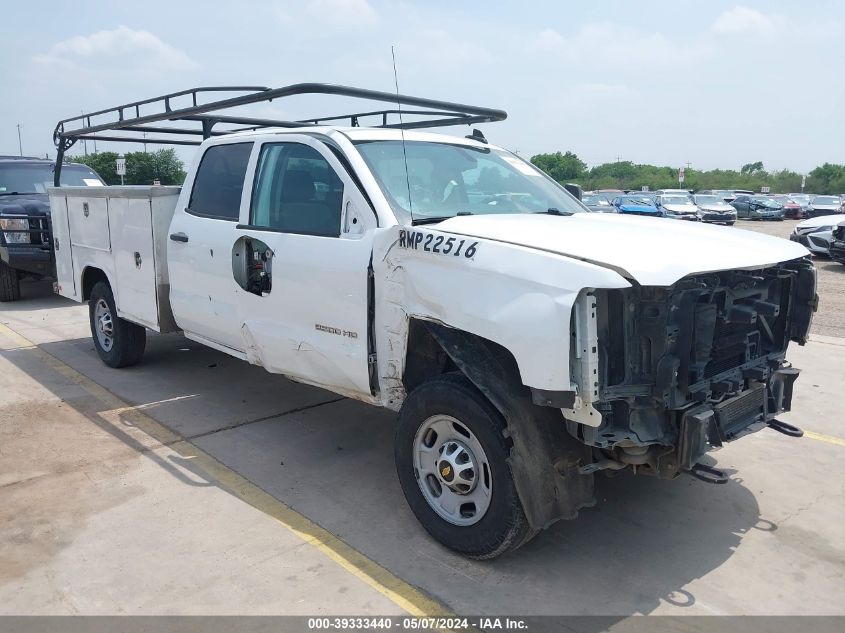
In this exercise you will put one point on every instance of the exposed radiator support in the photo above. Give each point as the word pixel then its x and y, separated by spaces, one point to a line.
pixel 585 368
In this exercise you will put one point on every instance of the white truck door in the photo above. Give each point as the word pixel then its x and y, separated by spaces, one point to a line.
pixel 300 267
pixel 202 291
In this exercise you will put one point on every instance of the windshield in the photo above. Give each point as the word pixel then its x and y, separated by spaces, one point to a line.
pixel 595 199
pixel 675 200
pixel 709 200
pixel 35 178
pixel 766 202
pixel 825 200
pixel 444 180
pixel 636 200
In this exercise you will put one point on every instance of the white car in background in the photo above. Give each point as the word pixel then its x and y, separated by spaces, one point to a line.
pixel 714 209
pixel 678 206
pixel 816 234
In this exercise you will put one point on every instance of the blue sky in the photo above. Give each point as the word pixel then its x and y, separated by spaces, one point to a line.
pixel 714 83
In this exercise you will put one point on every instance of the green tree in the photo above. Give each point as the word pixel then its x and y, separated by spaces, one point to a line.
pixel 826 178
pixel 142 168
pixel 101 162
pixel 562 167
pixel 752 168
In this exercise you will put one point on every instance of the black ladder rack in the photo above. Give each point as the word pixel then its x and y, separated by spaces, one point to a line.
pixel 132 121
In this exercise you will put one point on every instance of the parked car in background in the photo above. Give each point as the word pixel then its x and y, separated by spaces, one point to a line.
pixel 636 205
pixel 837 246
pixel 643 195
pixel 678 206
pixel 598 202
pixel 816 234
pixel 25 239
pixel 679 192
pixel 803 199
pixel 756 207
pixel 791 209
pixel 725 194
pixel 824 205
pixel 712 208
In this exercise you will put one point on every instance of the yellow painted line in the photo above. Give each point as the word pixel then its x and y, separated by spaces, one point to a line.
pixel 404 595
pixel 821 437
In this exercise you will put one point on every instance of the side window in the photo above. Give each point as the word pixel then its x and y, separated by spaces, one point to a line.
pixel 296 191
pixel 220 181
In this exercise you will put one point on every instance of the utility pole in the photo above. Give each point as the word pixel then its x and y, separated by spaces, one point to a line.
pixel 84 142
pixel 20 145
pixel 689 164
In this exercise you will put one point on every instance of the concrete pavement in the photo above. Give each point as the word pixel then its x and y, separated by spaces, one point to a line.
pixel 125 525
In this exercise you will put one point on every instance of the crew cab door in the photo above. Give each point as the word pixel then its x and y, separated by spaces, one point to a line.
pixel 199 248
pixel 300 266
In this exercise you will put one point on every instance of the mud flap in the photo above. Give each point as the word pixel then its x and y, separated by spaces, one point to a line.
pixel 545 458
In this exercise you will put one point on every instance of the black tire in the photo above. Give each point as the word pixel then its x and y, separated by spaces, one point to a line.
pixel 10 285
pixel 729 223
pixel 128 338
pixel 503 527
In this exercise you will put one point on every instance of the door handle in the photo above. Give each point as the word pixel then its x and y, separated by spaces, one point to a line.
pixel 178 237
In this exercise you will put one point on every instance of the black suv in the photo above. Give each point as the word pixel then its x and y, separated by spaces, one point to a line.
pixel 26 248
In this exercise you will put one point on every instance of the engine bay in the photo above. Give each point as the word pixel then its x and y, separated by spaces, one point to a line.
pixel 686 368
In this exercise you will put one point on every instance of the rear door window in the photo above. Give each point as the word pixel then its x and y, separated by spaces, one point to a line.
pixel 219 182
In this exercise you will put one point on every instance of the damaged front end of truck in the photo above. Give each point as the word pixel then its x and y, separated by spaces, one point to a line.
pixel 665 374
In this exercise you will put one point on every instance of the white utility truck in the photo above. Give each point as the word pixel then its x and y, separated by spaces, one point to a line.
pixel 526 342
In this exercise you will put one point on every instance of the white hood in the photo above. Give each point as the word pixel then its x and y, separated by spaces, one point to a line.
pixel 680 208
pixel 651 251
pixel 821 220
pixel 717 207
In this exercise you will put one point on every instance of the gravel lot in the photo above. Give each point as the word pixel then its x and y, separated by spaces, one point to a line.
pixel 830 319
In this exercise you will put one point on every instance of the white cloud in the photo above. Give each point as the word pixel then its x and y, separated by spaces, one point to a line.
pixel 616 46
pixel 340 13
pixel 548 40
pixel 744 20
pixel 123 46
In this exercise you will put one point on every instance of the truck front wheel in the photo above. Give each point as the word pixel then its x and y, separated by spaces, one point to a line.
pixel 119 343
pixel 451 457
pixel 10 285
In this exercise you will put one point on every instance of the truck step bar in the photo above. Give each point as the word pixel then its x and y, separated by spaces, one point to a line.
pixel 132 120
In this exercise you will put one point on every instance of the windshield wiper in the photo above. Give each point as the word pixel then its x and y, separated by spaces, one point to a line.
pixel 416 221
pixel 433 220
pixel 553 211
pixel 19 193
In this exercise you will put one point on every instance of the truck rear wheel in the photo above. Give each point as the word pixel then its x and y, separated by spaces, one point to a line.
pixel 10 285
pixel 119 343
pixel 451 457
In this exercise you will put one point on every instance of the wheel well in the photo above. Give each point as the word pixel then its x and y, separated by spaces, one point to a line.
pixel 545 458
pixel 425 359
pixel 90 277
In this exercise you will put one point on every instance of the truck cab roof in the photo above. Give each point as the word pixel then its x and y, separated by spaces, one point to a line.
pixel 354 134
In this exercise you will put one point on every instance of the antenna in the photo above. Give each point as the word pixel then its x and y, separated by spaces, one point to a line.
pixel 402 132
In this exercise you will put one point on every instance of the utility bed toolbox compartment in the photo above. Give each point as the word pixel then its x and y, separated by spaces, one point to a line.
pixel 121 231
